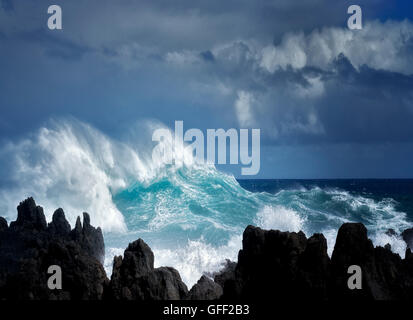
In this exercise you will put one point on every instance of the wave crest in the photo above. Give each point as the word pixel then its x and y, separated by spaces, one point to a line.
pixel 70 164
pixel 191 214
pixel 279 218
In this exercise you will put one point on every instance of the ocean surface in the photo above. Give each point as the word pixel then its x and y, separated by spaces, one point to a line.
pixel 194 220
pixel 191 214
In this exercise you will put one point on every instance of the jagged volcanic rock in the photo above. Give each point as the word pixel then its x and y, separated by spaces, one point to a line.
pixel 271 265
pixel 29 246
pixel 205 289
pixel 89 238
pixel 3 224
pixel 275 264
pixel 135 278
pixel 225 274
pixel 283 265
pixel 384 274
pixel 408 237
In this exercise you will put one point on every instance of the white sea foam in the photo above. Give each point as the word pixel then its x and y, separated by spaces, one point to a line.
pixel 110 254
pixel 74 166
pixel 311 205
pixel 70 164
pixel 197 258
pixel 65 166
pixel 279 218
pixel 379 239
pixel 396 242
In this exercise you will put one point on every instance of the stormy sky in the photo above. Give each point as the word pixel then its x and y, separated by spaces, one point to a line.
pixel 330 102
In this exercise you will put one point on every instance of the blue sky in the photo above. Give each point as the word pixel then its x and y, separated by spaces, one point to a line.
pixel 330 102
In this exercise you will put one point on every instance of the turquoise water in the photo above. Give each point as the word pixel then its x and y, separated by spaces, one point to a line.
pixel 191 214
pixel 193 218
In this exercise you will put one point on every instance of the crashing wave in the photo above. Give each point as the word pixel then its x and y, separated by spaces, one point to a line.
pixel 191 214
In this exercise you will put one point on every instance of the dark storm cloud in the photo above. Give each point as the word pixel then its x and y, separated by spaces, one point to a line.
pixel 182 23
pixel 296 94
pixel 269 64
pixel 367 106
pixel 7 5
pixel 356 106
pixel 207 55
pixel 54 45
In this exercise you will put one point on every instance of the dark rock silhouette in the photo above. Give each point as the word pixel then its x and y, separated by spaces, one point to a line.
pixel 384 274
pixel 135 278
pixel 3 224
pixel 205 289
pixel 300 268
pixel 29 246
pixel 90 238
pixel 271 265
pixel 275 264
pixel 408 237
pixel 226 273
pixel 59 225
pixel 29 216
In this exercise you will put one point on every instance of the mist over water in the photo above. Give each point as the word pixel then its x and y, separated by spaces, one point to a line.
pixel 191 214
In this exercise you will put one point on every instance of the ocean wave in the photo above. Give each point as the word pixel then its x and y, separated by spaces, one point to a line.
pixel 191 214
pixel 279 218
pixel 325 210
pixel 69 165
pixel 72 165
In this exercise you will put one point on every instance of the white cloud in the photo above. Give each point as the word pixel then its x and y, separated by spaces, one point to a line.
pixel 291 52
pixel 237 52
pixel 243 108
pixel 182 58
pixel 386 46
pixel 131 55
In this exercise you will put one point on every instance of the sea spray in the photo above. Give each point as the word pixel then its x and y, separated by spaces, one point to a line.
pixel 193 216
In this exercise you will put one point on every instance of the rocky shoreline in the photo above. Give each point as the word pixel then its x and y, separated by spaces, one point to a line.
pixel 271 265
